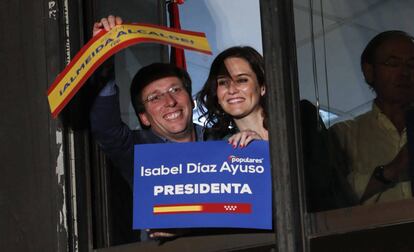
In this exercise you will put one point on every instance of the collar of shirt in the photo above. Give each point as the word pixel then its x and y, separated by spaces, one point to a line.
pixel 199 130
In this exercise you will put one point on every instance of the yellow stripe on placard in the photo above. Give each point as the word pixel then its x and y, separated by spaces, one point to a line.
pixel 105 44
pixel 172 209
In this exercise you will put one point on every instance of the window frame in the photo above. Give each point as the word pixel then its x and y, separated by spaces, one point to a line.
pixel 292 224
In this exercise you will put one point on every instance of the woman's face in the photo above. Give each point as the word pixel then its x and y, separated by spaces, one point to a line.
pixel 239 94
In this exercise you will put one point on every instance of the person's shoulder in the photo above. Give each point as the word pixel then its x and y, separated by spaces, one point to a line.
pixel 369 115
pixel 355 122
pixel 365 122
pixel 343 125
pixel 354 128
pixel 145 136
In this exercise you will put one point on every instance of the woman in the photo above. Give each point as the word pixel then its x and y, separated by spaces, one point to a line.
pixel 233 99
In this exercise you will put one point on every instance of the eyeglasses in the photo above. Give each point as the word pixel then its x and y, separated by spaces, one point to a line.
pixel 157 97
pixel 397 63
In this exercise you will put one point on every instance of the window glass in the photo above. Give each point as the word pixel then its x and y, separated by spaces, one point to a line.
pixel 330 38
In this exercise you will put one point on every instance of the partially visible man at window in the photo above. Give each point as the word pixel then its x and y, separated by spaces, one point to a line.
pixel 375 142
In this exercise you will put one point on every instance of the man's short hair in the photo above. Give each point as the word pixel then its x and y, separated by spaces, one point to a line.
pixel 151 73
pixel 368 55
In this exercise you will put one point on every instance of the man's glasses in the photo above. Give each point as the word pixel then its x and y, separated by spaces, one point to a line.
pixel 397 63
pixel 157 97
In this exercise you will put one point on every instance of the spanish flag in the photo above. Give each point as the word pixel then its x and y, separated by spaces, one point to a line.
pixel 104 45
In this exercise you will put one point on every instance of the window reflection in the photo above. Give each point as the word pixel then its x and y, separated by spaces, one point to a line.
pixel 331 36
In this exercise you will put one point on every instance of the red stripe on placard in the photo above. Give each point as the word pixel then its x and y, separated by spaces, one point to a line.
pixel 228 207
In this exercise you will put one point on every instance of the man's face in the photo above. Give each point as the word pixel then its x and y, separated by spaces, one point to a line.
pixel 168 109
pixel 392 74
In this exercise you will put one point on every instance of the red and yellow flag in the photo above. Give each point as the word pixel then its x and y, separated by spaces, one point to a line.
pixel 104 45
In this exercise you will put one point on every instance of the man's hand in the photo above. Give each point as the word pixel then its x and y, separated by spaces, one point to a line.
pixel 106 23
pixel 396 170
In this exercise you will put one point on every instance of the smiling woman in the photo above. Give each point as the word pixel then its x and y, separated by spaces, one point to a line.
pixel 233 99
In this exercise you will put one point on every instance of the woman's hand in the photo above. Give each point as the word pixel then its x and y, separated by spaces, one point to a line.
pixel 106 23
pixel 243 138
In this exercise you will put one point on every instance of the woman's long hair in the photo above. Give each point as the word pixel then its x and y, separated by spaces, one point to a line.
pixel 220 123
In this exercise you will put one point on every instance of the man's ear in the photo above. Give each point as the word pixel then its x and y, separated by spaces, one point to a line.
pixel 368 70
pixel 144 119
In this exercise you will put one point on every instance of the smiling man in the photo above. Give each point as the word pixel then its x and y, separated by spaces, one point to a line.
pixel 160 95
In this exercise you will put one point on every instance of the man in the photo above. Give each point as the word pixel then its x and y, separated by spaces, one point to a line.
pixel 160 94
pixel 161 97
pixel 375 142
